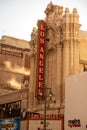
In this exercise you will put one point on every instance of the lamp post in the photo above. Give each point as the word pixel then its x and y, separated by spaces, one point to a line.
pixel 45 108
pixel 45 103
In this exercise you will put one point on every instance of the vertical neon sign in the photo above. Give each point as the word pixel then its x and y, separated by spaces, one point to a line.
pixel 41 58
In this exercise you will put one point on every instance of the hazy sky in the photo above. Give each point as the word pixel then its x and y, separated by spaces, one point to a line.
pixel 18 17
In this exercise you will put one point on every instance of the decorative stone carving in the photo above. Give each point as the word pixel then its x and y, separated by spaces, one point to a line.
pixel 33 48
pixel 34 33
pixel 54 15
pixel 53 20
pixel 67 11
pixel 49 8
pixel 54 9
pixel 33 45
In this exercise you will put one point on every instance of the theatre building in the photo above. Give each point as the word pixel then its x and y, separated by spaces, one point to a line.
pixel 57 50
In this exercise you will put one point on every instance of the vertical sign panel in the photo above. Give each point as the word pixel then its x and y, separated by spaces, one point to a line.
pixel 41 58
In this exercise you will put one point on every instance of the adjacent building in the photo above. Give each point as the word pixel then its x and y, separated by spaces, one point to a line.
pixel 14 72
pixel 75 102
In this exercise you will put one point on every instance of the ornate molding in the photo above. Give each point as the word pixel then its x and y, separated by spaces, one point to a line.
pixel 54 8
pixel 51 46
pixel 33 48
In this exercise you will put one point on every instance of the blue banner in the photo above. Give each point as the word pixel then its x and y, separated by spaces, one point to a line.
pixel 10 124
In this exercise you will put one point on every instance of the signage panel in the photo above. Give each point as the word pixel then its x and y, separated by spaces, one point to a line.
pixel 10 124
pixel 50 125
pixel 41 58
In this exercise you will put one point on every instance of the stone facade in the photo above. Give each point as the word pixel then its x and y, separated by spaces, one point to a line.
pixel 64 54
pixel 14 70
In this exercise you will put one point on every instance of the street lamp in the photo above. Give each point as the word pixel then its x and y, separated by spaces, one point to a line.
pixel 50 94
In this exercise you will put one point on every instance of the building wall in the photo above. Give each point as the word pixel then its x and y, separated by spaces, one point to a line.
pixel 61 53
pixel 75 101
pixel 14 66
pixel 14 73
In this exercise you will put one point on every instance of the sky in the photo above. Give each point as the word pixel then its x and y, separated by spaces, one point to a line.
pixel 18 17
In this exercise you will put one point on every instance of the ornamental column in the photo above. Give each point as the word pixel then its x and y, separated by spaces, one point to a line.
pixel 75 35
pixel 65 66
pixel 59 74
pixel 32 102
pixel 66 50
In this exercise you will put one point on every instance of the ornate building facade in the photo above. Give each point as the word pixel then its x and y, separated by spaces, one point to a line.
pixel 65 55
